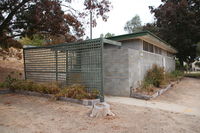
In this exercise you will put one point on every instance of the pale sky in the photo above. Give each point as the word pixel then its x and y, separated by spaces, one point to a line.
pixel 124 10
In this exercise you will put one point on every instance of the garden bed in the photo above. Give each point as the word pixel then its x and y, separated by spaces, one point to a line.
pixel 148 96
pixel 85 102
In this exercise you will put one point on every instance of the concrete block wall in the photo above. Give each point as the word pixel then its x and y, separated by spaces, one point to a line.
pixel 125 67
pixel 148 60
pixel 134 68
pixel 170 64
pixel 116 72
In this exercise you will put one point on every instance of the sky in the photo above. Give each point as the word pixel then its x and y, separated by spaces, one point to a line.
pixel 122 11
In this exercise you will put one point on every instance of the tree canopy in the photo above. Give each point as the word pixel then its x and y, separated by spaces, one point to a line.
pixel 107 35
pixel 133 25
pixel 178 22
pixel 36 40
pixel 49 18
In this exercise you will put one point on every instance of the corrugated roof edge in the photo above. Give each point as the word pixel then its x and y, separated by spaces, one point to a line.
pixel 137 34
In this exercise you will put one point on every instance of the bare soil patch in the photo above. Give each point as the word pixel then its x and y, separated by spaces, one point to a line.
pixel 9 66
pixel 22 114
pixel 186 92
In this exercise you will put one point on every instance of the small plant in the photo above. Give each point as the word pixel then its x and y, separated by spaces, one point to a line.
pixel 50 88
pixel 155 76
pixel 2 85
pixel 77 91
pixel 9 81
pixel 147 86
pixel 177 74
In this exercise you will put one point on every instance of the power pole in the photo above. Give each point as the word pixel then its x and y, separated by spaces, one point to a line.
pixel 90 20
pixel 90 24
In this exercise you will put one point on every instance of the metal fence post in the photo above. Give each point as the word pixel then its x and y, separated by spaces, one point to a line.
pixel 24 64
pixel 102 72
pixel 56 57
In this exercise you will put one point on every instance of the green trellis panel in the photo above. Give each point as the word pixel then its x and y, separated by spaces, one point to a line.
pixel 70 63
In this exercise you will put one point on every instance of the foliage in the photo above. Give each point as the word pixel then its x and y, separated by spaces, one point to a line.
pixel 107 35
pixel 152 27
pixel 20 18
pixel 155 75
pixel 2 85
pixel 78 91
pixel 46 88
pixel 9 42
pixel 178 22
pixel 133 25
pixel 36 40
pixel 193 75
pixel 197 64
pixel 177 73
pixel 11 78
pixel 198 49
pixel 147 86
pixel 178 65
pixel 173 76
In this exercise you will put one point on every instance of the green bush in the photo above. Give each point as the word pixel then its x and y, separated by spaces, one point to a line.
pixel 177 74
pixel 155 76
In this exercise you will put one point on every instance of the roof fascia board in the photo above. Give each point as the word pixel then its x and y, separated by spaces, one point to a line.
pixel 112 42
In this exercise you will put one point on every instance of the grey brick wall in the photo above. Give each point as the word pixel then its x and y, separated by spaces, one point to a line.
pixel 125 67
pixel 116 73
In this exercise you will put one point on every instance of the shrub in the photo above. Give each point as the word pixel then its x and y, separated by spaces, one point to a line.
pixel 155 76
pixel 47 88
pixel 78 91
pixel 2 84
pixel 147 86
pixel 177 74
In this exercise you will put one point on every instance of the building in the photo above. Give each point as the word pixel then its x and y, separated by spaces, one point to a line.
pixel 126 66
pixel 114 66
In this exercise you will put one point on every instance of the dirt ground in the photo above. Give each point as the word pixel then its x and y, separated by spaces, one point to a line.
pixel 29 114
pixel 9 66
pixel 186 93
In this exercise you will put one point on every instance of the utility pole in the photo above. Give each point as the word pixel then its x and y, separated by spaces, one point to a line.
pixel 90 20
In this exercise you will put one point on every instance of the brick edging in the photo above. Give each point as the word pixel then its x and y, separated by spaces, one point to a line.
pixel 148 97
pixel 85 102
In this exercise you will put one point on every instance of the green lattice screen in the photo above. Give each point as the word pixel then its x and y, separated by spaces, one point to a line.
pixel 70 63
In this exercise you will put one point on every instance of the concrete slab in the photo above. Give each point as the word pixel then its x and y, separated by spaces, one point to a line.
pixel 155 105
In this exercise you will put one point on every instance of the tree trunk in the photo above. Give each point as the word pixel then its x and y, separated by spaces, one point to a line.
pixel 101 110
